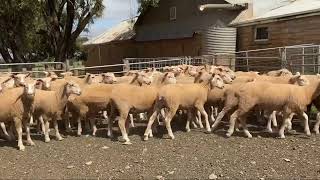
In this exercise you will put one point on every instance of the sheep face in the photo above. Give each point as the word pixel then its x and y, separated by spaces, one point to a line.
pixel 73 88
pixel 143 78
pixel 109 78
pixel 30 89
pixel 226 78
pixel 169 78
pixel 20 79
pixel 302 81
pixel 217 82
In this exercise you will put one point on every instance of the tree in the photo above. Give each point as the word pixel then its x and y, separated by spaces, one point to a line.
pixel 17 27
pixel 65 20
pixel 145 4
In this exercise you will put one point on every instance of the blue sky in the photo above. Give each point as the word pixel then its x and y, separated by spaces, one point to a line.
pixel 115 11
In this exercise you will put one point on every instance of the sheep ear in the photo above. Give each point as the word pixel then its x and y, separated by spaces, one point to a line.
pixel 29 74
pixel 298 74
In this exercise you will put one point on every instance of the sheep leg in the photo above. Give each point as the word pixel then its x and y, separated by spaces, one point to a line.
pixel 274 119
pixel 150 123
pixel 31 120
pixel 41 124
pixel 131 120
pixel 286 119
pixel 18 125
pixel 110 124
pixel 56 128
pixel 67 123
pixel 316 126
pixel 122 126
pixel 219 118
pixel 244 126
pixel 306 123
pixel 190 117
pixel 93 126
pixel 4 130
pixel 168 119
pixel 199 119
pixel 232 122
pixel 29 140
pixel 206 118
pixel 270 119
pixel 79 131
pixel 11 132
pixel 46 131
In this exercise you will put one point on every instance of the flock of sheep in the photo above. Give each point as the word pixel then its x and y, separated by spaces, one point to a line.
pixel 205 93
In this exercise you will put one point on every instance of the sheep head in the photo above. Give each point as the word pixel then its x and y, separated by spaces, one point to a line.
pixel 29 88
pixel 217 81
pixel 142 78
pixel 226 78
pixel 73 88
pixel 109 78
pixel 284 72
pixel 169 78
pixel 299 80
pixel 20 79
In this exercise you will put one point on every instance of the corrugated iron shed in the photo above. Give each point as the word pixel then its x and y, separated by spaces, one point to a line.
pixel 122 31
pixel 297 7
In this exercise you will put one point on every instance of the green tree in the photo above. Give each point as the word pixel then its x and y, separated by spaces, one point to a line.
pixel 17 26
pixel 65 20
pixel 145 4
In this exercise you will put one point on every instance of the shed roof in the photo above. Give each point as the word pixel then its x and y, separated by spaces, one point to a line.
pixel 123 31
pixel 297 7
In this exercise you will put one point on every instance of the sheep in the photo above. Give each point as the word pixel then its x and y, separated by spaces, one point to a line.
pixel 280 72
pixel 193 98
pixel 96 98
pixel 126 98
pixel 267 96
pixel 16 106
pixel 50 105
pixel 231 101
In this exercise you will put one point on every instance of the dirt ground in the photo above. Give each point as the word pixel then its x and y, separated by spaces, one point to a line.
pixel 194 155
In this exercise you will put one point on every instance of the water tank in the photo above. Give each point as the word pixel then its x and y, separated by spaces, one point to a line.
pixel 219 40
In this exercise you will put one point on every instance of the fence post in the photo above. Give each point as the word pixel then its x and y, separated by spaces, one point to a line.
pixel 126 66
pixel 67 65
pixel 302 67
pixel 283 56
pixel 318 59
pixel 247 58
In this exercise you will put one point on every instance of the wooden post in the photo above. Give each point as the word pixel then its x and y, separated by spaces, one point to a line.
pixel 247 55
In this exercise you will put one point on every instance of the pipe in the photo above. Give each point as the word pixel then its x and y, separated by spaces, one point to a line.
pixel 218 6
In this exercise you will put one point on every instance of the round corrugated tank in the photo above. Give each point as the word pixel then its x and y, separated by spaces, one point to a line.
pixel 219 40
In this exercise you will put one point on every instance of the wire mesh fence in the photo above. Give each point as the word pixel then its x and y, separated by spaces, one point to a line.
pixel 299 58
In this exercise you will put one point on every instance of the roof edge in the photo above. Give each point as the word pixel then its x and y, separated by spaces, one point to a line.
pixel 276 18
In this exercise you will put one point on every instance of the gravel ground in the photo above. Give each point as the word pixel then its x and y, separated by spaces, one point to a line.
pixel 194 155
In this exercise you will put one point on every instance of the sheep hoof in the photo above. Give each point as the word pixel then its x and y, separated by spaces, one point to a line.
pixel 228 135
pixel 237 130
pixel 127 143
pixel 308 134
pixel 269 131
pixel 22 148
pixel 316 131
pixel 31 143
pixel 47 140
pixel 151 135
pixel 146 138
pixel 188 130
pixel 249 136
pixel 282 137
pixel 59 138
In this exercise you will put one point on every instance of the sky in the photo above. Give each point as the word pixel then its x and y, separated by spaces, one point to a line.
pixel 115 11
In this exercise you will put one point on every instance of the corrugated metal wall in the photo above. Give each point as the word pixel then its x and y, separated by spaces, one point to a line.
pixel 219 40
